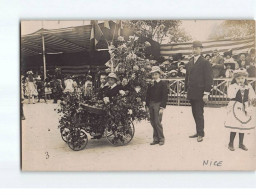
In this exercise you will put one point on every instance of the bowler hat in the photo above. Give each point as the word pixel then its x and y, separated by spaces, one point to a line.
pixel 197 44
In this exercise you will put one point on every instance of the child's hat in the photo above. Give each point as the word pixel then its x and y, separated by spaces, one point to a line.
pixel 112 75
pixel 173 73
pixel 240 72
pixel 30 72
pixel 88 77
pixel 155 69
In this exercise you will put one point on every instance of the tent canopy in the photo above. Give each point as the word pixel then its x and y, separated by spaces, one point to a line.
pixel 237 46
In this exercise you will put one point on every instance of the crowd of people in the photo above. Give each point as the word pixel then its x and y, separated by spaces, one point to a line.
pixel 53 87
pixel 223 65
pixel 35 89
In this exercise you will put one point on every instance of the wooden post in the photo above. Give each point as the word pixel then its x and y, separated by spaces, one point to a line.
pixel 44 60
pixel 178 91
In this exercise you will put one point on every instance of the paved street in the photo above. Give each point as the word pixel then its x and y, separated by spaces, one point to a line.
pixel 44 150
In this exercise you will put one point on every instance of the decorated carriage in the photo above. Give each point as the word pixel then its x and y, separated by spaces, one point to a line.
pixel 113 120
pixel 94 121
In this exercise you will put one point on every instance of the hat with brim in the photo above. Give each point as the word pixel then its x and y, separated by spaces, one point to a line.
pixel 197 44
pixel 207 55
pixel 112 75
pixel 173 73
pixel 156 69
pixel 240 72
pixel 228 53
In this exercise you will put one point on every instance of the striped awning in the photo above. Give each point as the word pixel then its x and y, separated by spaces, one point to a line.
pixel 237 46
pixel 65 40
pixel 57 41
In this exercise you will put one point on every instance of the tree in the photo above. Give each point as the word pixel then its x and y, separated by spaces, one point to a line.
pixel 234 29
pixel 160 30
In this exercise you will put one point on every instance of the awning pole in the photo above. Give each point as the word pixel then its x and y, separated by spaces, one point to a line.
pixel 44 60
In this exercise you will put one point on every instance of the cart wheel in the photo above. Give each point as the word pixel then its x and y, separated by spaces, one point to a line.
pixel 64 134
pixel 77 140
pixel 122 136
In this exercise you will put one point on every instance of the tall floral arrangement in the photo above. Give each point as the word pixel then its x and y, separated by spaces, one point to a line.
pixel 129 63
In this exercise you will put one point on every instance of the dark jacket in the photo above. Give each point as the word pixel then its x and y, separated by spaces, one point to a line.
pixel 157 93
pixel 112 92
pixel 101 92
pixel 199 78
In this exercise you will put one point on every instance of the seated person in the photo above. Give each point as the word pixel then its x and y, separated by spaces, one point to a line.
pixel 242 61
pixel 103 85
pixel 229 71
pixel 182 71
pixel 251 62
pixel 229 64
pixel 88 87
pixel 125 86
pixel 208 57
pixel 113 88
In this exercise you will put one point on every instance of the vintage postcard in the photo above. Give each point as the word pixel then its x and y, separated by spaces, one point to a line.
pixel 138 95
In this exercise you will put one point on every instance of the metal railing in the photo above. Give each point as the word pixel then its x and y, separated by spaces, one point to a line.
pixel 218 95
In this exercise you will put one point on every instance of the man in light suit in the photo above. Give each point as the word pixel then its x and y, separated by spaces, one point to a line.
pixel 198 84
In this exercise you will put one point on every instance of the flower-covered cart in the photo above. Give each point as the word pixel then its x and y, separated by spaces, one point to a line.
pixel 94 121
pixel 101 118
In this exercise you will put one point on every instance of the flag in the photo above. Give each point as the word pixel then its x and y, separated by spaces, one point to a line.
pixel 96 33
pixel 106 24
pixel 119 28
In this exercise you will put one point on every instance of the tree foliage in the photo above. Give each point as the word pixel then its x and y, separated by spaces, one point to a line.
pixel 234 29
pixel 160 30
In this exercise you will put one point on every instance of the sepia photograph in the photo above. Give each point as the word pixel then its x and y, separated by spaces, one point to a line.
pixel 137 95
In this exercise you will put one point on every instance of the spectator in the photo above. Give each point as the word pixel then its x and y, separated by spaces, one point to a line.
pixel 251 62
pixel 31 91
pixel 250 59
pixel 182 71
pixel 88 87
pixel 68 83
pixel 217 64
pixel 242 62
pixel 40 89
pixel 208 57
pixel 47 89
pixel 229 64
pixel 22 116
pixel 56 89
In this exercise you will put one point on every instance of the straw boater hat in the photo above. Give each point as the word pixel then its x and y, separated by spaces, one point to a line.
pixel 155 69
pixel 240 72
pixel 112 75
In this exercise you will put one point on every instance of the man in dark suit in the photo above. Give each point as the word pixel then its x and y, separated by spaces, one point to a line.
pixel 156 99
pixel 198 84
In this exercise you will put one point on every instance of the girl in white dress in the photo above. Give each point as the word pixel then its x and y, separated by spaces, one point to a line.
pixel 241 108
pixel 31 90
pixel 69 85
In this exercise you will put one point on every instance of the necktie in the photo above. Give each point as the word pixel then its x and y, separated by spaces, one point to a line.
pixel 155 82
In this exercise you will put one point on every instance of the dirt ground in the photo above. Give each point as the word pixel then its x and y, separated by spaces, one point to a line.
pixel 44 150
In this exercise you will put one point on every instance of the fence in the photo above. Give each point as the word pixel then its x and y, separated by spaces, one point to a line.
pixel 218 95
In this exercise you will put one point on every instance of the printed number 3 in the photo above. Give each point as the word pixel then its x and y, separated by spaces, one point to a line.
pixel 47 155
